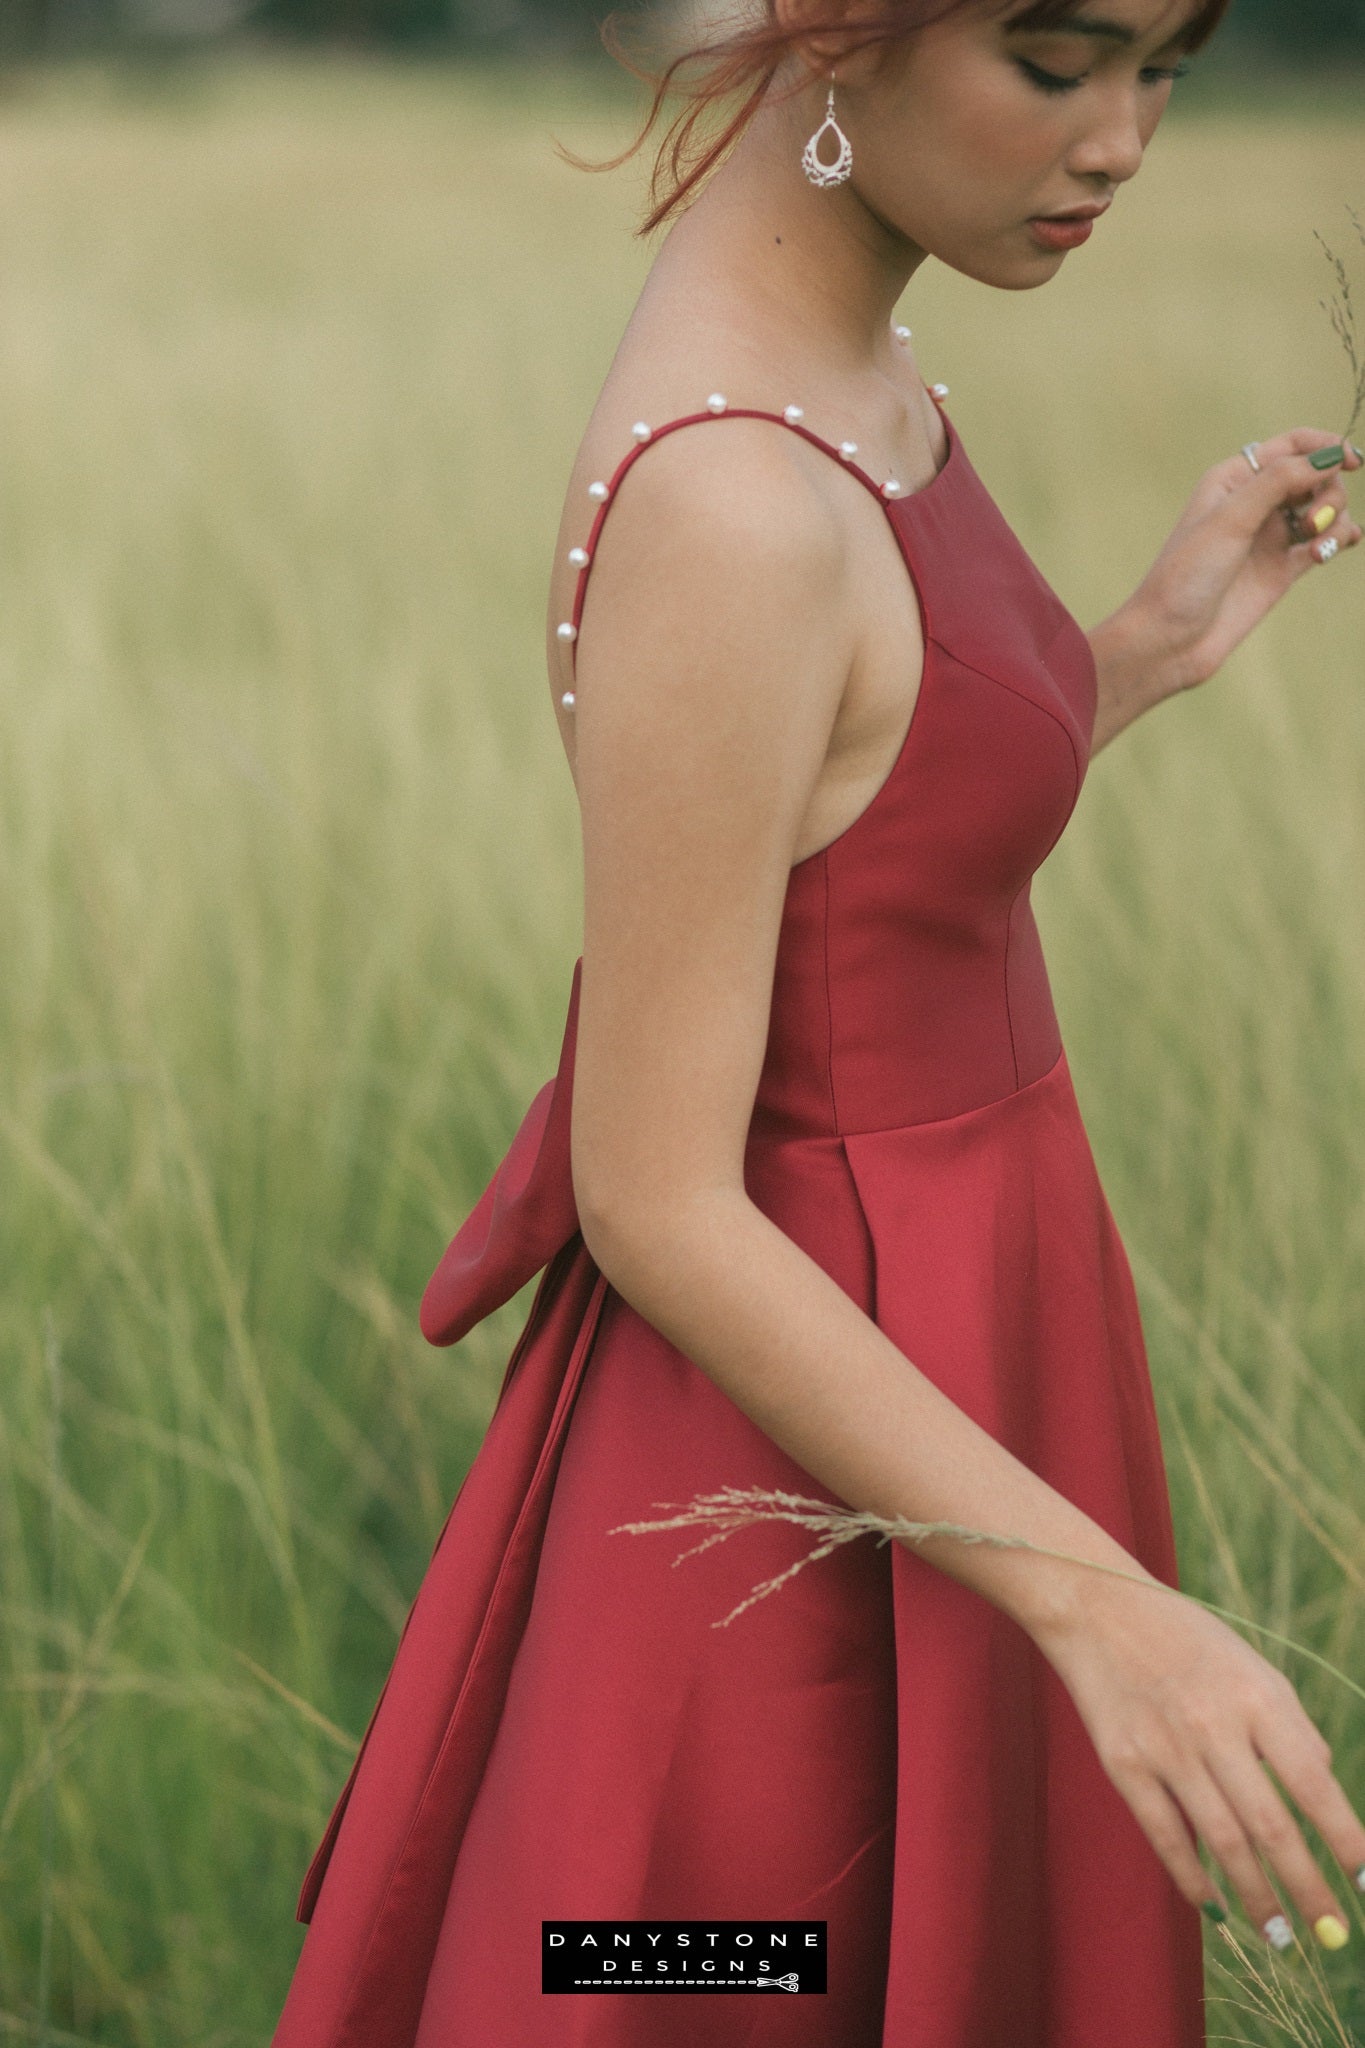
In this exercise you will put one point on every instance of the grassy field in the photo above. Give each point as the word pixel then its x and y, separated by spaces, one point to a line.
pixel 293 361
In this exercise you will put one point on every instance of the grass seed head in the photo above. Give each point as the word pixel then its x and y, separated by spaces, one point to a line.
pixel 1340 310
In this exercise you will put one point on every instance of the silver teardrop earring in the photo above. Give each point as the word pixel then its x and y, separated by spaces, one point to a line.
pixel 828 174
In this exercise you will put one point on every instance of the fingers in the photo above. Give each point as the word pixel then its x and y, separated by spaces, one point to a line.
pixel 1310 516
pixel 1246 1826
pixel 1341 537
pixel 1302 1760
pixel 1290 480
pixel 1166 1828
pixel 1287 478
pixel 1212 1785
pixel 1235 473
pixel 1306 511
pixel 1315 541
pixel 1300 441
pixel 1322 519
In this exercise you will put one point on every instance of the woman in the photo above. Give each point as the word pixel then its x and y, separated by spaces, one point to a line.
pixel 815 1204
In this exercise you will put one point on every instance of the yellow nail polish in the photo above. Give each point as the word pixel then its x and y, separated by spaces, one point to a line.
pixel 1330 1931
pixel 1324 517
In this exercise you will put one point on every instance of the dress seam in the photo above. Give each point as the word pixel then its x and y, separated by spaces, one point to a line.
pixel 829 1002
pixel 1051 1073
pixel 1046 709
pixel 1078 778
pixel 1009 1008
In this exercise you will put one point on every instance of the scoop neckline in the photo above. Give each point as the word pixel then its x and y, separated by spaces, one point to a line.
pixel 950 461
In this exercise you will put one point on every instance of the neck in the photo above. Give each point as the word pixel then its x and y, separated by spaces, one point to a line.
pixel 763 247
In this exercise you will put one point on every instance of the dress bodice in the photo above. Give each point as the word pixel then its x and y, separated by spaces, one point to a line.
pixel 909 983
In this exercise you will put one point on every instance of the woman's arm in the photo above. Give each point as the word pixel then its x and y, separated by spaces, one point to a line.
pixel 711 663
pixel 709 676
pixel 1230 559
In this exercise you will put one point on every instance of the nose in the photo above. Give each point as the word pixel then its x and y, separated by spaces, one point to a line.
pixel 1114 142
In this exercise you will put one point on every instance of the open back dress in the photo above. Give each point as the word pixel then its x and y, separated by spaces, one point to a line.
pixel 564 1732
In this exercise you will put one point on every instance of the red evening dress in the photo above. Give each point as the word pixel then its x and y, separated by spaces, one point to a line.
pixel 563 1732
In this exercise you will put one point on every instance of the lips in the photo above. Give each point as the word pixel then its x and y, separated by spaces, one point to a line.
pixel 1062 232
pixel 1067 230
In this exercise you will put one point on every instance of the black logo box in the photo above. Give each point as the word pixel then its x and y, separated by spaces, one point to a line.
pixel 588 1956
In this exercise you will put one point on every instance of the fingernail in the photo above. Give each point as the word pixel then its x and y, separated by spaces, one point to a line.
pixel 1331 1932
pixel 1278 1931
pixel 1324 517
pixel 1358 453
pixel 1214 1910
pixel 1360 1878
pixel 1328 458
pixel 1325 549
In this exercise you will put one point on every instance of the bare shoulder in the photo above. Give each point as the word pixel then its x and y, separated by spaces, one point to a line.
pixel 721 545
pixel 724 477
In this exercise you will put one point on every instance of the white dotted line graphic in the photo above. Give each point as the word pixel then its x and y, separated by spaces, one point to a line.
pixel 788 1983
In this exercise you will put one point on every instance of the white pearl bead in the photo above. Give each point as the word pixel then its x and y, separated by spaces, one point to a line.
pixel 579 557
pixel 641 431
pixel 902 334
pixel 716 402
pixel 891 489
pixel 792 414
pixel 598 490
pixel 568 700
pixel 567 630
pixel 940 390
pixel 848 449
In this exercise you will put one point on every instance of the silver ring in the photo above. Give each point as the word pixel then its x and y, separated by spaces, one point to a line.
pixel 1250 453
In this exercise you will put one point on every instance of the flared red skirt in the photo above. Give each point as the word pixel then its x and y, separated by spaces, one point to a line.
pixel 567 1732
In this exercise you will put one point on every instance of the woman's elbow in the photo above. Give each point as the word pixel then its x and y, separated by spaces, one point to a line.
pixel 611 1215
pixel 638 1223
pixel 600 1224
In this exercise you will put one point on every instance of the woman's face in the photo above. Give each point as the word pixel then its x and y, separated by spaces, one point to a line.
pixel 973 136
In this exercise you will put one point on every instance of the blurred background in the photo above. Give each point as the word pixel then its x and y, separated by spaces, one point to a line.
pixel 301 319
pixel 1264 31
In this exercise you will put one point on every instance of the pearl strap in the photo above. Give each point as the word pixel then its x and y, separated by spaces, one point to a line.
pixel 580 558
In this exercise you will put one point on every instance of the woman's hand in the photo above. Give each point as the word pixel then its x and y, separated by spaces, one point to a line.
pixel 1183 1713
pixel 1239 545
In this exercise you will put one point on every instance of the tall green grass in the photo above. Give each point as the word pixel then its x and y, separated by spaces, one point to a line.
pixel 293 361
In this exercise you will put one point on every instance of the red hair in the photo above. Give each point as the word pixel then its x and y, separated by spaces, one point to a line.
pixel 746 61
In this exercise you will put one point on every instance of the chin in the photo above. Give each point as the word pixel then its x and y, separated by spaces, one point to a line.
pixel 1005 270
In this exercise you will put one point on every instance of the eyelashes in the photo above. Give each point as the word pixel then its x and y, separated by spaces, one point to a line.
pixel 1047 81
pixel 1060 82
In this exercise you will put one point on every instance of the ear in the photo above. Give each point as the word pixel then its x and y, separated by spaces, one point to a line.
pixel 824 48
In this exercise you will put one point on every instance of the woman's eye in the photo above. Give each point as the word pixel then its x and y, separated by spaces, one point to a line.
pixel 1049 81
pixel 1059 81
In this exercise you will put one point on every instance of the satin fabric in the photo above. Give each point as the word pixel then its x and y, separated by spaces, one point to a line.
pixel 565 1730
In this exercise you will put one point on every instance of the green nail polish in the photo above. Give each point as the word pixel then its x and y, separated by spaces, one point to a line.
pixel 1328 458
pixel 1214 1911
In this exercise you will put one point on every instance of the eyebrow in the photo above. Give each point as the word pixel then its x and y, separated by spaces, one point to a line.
pixel 1082 25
